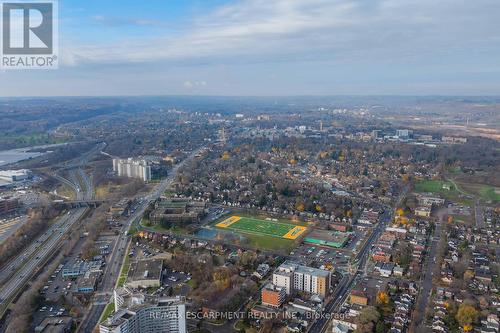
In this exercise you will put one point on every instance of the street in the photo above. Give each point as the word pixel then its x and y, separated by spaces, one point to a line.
pixel 118 253
pixel 345 285
pixel 418 321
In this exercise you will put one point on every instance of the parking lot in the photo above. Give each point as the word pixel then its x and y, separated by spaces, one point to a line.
pixel 308 254
pixel 48 309
pixel 176 280
pixel 55 286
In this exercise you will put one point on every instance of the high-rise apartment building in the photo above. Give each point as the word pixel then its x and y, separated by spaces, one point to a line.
pixel 132 168
pixel 146 315
pixel 295 277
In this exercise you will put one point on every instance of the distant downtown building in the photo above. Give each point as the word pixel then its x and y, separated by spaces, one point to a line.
pixel 146 314
pixel 132 168
pixel 404 133
pixel 295 277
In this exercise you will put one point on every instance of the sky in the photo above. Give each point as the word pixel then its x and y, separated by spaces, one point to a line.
pixel 270 48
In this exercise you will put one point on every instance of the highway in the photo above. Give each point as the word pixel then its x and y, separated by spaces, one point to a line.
pixel 73 186
pixel 21 269
pixel 118 253
pixel 87 183
pixel 83 159
pixel 9 226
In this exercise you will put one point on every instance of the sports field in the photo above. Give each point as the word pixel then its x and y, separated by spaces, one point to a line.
pixel 262 227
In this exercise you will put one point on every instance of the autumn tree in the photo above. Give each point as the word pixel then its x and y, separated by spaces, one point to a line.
pixel 382 298
pixel 300 206
pixel 367 320
pixel 466 316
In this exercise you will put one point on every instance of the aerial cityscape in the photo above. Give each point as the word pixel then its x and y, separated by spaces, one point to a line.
pixel 276 184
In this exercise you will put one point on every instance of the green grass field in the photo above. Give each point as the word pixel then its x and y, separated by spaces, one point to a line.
pixel 490 193
pixel 271 228
pixel 485 192
pixel 264 234
pixel 436 186
pixel 269 242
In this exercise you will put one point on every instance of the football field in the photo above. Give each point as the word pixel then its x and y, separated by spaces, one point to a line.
pixel 262 227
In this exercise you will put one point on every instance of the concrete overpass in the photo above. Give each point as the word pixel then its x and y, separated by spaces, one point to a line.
pixel 80 203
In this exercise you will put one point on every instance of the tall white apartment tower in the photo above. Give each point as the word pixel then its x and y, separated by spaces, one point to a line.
pixel 162 315
pixel 132 168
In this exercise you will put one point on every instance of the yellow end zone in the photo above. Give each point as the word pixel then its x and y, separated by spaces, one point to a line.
pixel 295 232
pixel 227 222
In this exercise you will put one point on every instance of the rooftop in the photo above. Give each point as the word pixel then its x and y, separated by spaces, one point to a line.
pixel 291 266
pixel 145 269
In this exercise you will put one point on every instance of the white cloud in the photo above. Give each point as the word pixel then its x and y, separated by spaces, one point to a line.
pixel 293 29
pixel 284 47
pixel 192 84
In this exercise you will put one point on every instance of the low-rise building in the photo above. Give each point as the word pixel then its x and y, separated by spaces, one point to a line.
pixel 55 325
pixel 368 217
pixel 429 200
pixel 88 282
pixel 79 268
pixel 423 211
pixel 379 255
pixel 8 205
pixel 358 297
pixel 384 269
pixel 335 239
pixel 177 211
pixel 13 176
pixel 261 271
pixel 145 274
pixel 453 139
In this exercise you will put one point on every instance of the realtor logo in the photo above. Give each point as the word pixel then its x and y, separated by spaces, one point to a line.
pixel 29 34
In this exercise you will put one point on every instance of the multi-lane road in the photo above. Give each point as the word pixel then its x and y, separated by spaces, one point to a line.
pixel 10 225
pixel 83 159
pixel 19 270
pixel 79 182
pixel 14 275
pixel 119 251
